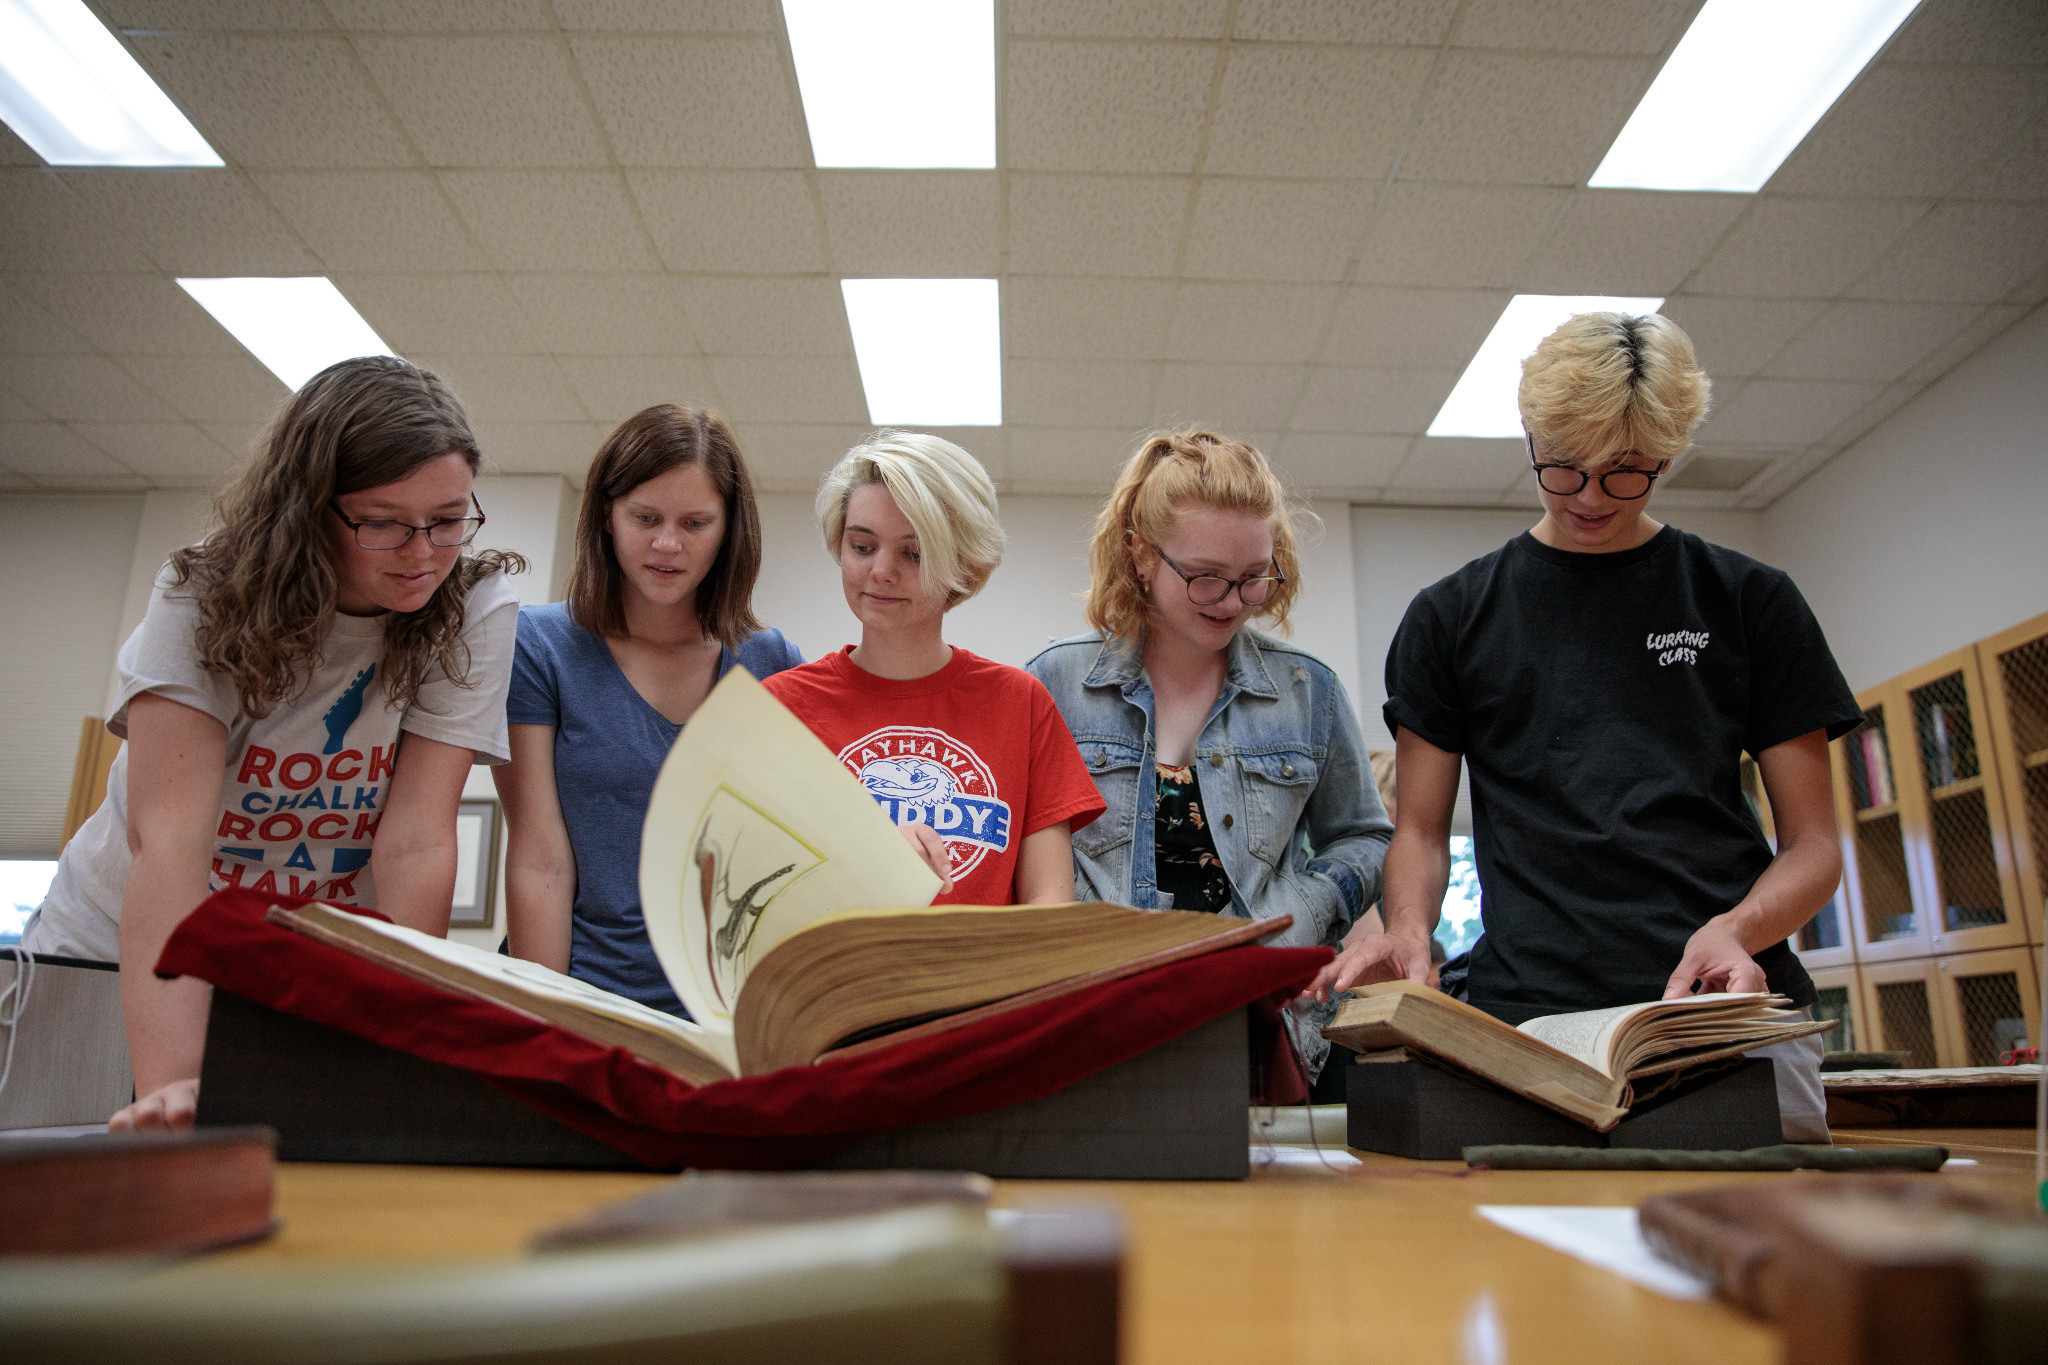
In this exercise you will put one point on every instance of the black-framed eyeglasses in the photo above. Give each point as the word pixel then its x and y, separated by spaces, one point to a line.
pixel 1207 589
pixel 1563 480
pixel 389 535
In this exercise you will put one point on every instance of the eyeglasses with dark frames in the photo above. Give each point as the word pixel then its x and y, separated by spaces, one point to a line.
pixel 1563 480
pixel 389 535
pixel 1207 589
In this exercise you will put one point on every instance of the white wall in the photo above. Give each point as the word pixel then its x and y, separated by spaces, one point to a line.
pixel 535 515
pixel 1932 530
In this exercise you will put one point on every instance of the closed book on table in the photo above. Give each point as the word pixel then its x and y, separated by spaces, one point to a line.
pixel 136 1192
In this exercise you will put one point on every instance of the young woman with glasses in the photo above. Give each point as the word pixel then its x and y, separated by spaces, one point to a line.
pixel 1603 674
pixel 1231 763
pixel 301 703
pixel 668 544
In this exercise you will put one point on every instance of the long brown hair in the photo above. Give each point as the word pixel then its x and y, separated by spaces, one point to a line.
pixel 265 585
pixel 647 445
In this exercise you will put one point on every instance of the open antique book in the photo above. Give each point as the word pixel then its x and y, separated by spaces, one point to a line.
pixel 760 862
pixel 1582 1065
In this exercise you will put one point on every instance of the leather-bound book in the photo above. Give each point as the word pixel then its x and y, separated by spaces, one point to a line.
pixel 136 1192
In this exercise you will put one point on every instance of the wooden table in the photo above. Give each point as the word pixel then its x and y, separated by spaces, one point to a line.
pixel 1383 1262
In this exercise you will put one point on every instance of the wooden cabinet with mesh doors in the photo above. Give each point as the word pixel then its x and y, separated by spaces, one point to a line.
pixel 1823 941
pixel 2015 670
pixel 1841 1001
pixel 1902 1014
pixel 1877 878
pixel 1991 1004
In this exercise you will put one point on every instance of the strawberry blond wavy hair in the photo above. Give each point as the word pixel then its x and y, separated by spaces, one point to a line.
pixel 264 583
pixel 1172 468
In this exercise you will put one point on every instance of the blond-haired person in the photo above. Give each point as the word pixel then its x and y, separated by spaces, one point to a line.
pixel 1230 763
pixel 968 756
pixel 1602 674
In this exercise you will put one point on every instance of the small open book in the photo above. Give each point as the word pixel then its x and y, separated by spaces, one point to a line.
pixel 1581 1065
pixel 761 861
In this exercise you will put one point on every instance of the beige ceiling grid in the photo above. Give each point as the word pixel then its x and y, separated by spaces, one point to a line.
pixel 1294 219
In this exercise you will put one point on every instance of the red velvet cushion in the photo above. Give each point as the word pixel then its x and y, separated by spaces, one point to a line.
pixel 787 1118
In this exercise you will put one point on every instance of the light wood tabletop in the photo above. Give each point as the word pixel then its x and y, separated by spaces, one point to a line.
pixel 1385 1260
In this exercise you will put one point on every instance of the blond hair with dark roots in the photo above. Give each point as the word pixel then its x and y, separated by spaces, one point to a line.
pixel 1608 384
pixel 1170 470
pixel 265 586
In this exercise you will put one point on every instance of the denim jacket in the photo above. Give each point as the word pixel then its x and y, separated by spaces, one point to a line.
pixel 1286 789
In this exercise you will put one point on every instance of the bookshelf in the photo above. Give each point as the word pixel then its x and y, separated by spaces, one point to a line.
pixel 1884 913
pixel 2014 666
pixel 1990 1003
pixel 1841 999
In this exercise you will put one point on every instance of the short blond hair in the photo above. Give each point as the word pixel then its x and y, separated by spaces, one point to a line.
pixel 943 492
pixel 1189 465
pixel 1607 383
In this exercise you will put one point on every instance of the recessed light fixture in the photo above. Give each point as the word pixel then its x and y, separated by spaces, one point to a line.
pixel 296 325
pixel 930 351
pixel 1484 401
pixel 896 82
pixel 1743 87
pixel 71 91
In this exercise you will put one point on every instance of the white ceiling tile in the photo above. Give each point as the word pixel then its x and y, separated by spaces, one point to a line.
pixel 1104 106
pixel 52 455
pixel 13 481
pixel 614 387
pixel 509 388
pixel 990 447
pixel 1078 392
pixel 1425 329
pixel 129 314
pixel 1968 251
pixel 1877 342
pixel 459 314
pixel 210 388
pixel 1500 116
pixel 2017 171
pixel 75 388
pixel 29 328
pixel 1275 229
pixel 1629 242
pixel 440 16
pixel 373 220
pixel 1778 411
pixel 1315 111
pixel 1911 131
pixel 551 220
pixel 1803 248
pixel 196 222
pixel 168 454
pixel 1249 322
pixel 669 16
pixel 1125 19
pixel 787 316
pixel 670 101
pixel 1069 459
pixel 1887 402
pixel 1460 464
pixel 1096 224
pixel 1423 22
pixel 914 224
pixel 45 225
pixel 794 456
pixel 605 314
pixel 1323 461
pixel 737 222
pixel 209 15
pixel 14 408
pixel 1722 469
pixel 1979 332
pixel 1456 235
pixel 486 101
pixel 1986 32
pixel 1239 397
pixel 276 101
pixel 1734 338
pixel 239 439
pixel 1372 400
pixel 15 152
pixel 563 448
pixel 1643 28
pixel 789 388
pixel 1084 319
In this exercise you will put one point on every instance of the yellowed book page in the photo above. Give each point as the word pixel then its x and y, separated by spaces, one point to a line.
pixel 1600 1038
pixel 1584 1035
pixel 754 831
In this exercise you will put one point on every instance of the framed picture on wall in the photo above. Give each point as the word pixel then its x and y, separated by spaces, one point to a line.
pixel 476 866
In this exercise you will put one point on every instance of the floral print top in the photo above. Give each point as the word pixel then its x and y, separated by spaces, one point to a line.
pixel 1186 863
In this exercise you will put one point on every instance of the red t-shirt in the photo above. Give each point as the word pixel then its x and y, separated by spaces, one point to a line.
pixel 976 750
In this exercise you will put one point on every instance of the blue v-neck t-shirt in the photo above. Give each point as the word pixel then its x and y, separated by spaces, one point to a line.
pixel 609 748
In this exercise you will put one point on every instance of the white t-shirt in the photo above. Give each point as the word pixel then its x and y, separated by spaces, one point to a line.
pixel 304 787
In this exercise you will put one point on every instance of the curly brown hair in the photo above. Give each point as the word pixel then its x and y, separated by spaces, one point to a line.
pixel 264 583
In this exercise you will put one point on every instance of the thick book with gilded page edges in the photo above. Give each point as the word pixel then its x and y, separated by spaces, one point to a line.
pixel 138 1193
pixel 1581 1065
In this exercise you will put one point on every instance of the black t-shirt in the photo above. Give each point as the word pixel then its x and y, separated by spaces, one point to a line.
pixel 1602 703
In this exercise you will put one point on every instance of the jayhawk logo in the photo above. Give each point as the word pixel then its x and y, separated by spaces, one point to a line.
pixel 922 776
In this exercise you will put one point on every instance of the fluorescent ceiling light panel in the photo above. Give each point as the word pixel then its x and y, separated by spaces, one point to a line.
pixel 1484 403
pixel 930 351
pixel 297 326
pixel 1742 89
pixel 71 91
pixel 897 82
